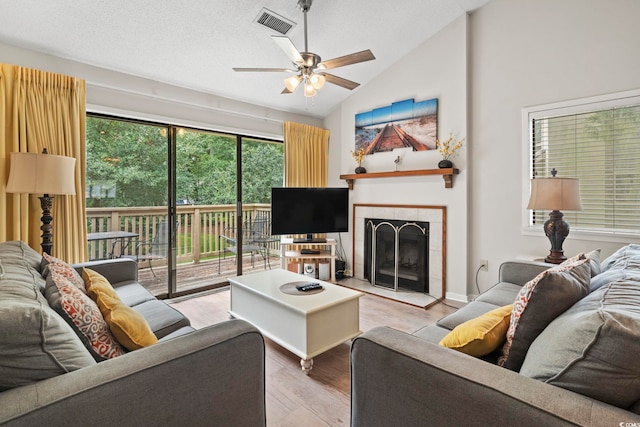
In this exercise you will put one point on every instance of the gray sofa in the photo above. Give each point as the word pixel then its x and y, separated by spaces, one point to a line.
pixel 211 376
pixel 411 380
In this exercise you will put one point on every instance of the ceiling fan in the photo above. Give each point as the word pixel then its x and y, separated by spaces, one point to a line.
pixel 309 66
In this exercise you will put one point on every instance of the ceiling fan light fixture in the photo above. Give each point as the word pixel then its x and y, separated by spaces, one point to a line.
pixel 308 66
pixel 309 90
pixel 317 80
pixel 292 83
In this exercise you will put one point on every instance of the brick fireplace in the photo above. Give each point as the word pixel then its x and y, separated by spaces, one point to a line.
pixel 399 266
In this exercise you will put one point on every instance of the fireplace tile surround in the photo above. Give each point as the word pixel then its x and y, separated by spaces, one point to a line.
pixel 435 215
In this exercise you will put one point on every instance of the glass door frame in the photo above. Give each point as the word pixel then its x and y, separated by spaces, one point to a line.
pixel 172 215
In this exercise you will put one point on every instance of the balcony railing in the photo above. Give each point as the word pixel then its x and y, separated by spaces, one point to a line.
pixel 198 228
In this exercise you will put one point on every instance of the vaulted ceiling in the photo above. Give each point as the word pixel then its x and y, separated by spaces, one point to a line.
pixel 196 43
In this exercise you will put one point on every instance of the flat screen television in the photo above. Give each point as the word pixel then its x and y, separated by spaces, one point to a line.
pixel 296 210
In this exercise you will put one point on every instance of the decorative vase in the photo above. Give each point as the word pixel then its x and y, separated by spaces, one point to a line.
pixel 360 169
pixel 445 164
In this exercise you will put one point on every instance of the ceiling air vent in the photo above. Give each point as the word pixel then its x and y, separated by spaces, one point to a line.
pixel 273 21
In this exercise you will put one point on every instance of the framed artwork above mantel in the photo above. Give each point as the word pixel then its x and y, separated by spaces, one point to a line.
pixel 399 125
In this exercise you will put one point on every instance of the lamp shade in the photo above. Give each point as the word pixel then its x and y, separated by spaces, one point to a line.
pixel 561 194
pixel 41 174
pixel 317 80
pixel 292 83
pixel 309 90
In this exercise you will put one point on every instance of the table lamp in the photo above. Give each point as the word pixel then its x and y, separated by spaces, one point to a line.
pixel 555 194
pixel 45 174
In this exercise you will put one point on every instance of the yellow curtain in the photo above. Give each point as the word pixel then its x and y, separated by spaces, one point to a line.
pixel 43 110
pixel 306 152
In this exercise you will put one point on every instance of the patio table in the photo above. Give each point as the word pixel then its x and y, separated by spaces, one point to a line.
pixel 122 237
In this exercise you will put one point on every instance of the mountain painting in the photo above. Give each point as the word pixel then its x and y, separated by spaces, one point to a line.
pixel 401 124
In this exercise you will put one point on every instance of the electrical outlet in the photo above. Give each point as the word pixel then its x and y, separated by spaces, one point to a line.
pixel 484 265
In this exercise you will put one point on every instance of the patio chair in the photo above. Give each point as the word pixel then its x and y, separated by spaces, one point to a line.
pixel 260 235
pixel 155 249
pixel 256 236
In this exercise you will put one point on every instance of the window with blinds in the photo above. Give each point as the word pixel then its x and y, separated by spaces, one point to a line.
pixel 600 145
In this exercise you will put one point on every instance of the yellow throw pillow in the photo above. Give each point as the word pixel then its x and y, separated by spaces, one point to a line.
pixel 128 326
pixel 130 329
pixel 96 284
pixel 482 335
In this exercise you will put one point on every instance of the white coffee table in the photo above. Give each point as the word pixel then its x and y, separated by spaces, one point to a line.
pixel 305 324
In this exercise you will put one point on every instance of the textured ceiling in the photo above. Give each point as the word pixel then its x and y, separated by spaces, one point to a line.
pixel 195 43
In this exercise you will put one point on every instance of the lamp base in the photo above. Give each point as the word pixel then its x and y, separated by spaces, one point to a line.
pixel 46 203
pixel 555 257
pixel 556 229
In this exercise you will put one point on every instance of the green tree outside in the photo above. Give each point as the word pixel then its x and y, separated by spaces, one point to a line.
pixel 127 166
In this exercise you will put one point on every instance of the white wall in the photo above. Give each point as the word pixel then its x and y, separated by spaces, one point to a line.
pixel 526 53
pixel 121 94
pixel 436 69
pixel 520 53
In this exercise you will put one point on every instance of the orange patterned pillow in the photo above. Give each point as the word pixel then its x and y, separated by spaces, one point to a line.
pixel 64 269
pixel 83 315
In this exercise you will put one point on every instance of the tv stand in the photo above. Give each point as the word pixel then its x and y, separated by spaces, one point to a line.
pixel 291 249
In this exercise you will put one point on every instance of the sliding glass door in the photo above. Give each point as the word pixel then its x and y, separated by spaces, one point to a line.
pixel 166 196
pixel 206 186
pixel 262 168
pixel 127 195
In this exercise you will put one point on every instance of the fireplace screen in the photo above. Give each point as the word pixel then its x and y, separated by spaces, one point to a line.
pixel 397 254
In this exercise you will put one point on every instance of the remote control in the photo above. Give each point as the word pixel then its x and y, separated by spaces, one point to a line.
pixel 308 286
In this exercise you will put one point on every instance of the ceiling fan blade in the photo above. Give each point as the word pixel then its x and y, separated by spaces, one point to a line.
pixel 354 58
pixel 269 70
pixel 285 91
pixel 288 48
pixel 347 84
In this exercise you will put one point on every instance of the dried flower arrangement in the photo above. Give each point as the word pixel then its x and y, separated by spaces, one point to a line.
pixel 448 149
pixel 358 155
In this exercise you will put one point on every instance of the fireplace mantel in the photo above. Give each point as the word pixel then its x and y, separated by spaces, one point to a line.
pixel 447 175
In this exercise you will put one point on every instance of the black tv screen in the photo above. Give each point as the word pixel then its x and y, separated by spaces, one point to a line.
pixel 297 210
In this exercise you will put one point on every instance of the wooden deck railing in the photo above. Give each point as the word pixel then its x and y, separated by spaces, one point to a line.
pixel 198 227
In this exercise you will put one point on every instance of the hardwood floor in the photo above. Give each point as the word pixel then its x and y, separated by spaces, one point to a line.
pixel 321 398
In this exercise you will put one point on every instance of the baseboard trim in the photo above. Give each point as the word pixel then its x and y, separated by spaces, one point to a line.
pixel 457 297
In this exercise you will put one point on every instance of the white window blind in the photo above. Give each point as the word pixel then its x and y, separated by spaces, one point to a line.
pixel 601 147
